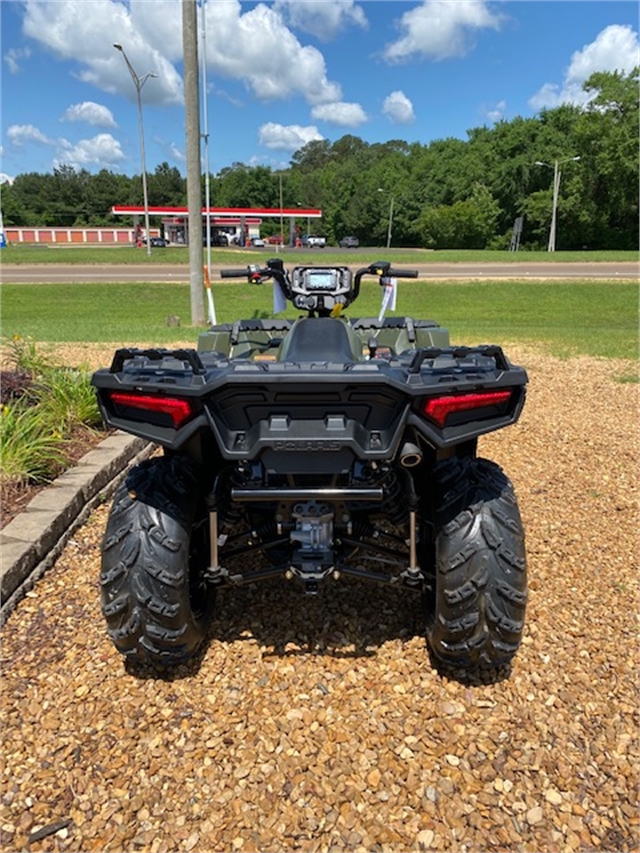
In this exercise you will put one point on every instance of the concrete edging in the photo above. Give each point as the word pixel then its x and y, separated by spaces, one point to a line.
pixel 33 541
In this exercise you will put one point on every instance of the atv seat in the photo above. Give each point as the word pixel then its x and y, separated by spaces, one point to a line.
pixel 320 339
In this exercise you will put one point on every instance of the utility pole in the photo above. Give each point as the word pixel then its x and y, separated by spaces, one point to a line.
pixel 194 185
pixel 207 177
pixel 557 174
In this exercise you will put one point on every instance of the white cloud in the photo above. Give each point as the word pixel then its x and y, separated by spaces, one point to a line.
pixel 20 134
pixel 440 29
pixel 14 56
pixel 257 48
pixel 398 108
pixel 177 153
pixel 91 113
pixel 496 112
pixel 69 31
pixel 254 47
pixel 321 18
pixel 291 137
pixel 615 48
pixel 102 150
pixel 343 114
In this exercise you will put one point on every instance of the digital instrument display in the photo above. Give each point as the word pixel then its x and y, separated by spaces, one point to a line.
pixel 320 280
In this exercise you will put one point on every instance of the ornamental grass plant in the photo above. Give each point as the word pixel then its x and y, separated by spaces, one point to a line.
pixel 47 410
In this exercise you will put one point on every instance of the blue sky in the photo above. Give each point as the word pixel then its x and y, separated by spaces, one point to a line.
pixel 281 74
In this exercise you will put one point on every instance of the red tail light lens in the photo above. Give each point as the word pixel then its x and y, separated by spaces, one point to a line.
pixel 439 408
pixel 179 410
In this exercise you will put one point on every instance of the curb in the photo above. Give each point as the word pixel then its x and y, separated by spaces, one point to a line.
pixel 33 541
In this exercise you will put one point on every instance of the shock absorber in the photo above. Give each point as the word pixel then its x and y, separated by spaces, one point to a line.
pixel 395 499
pixel 230 513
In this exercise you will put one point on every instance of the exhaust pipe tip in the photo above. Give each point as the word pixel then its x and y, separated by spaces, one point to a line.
pixel 410 455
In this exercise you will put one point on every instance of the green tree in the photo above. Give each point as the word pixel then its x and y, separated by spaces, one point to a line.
pixel 467 224
pixel 245 186
pixel 166 187
pixel 13 210
pixel 105 189
pixel 607 140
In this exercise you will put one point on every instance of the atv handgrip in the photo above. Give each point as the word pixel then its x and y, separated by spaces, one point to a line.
pixel 391 273
pixel 243 272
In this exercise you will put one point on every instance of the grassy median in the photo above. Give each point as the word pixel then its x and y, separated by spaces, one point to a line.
pixel 566 317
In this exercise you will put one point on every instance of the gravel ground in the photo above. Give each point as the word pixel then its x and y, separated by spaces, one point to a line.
pixel 321 724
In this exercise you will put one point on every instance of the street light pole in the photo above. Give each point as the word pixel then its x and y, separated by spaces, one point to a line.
pixel 390 223
pixel 139 83
pixel 556 191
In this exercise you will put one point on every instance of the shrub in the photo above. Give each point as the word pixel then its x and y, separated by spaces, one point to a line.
pixel 29 450
pixel 67 399
pixel 42 406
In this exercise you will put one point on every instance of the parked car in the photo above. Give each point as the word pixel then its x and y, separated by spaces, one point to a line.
pixel 349 243
pixel 257 242
pixel 275 240
pixel 216 240
pixel 314 242
pixel 156 242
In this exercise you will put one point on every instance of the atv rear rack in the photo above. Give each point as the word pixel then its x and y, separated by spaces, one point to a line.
pixel 458 353
pixel 190 356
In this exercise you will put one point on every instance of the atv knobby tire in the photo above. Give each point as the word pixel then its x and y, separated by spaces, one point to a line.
pixel 155 603
pixel 476 617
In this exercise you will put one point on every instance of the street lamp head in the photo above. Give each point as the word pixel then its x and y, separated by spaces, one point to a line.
pixel 117 46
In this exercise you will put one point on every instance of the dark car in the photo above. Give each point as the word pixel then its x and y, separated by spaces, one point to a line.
pixel 217 239
pixel 349 243
pixel 157 242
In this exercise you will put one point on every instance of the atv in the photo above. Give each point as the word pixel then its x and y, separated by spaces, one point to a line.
pixel 315 450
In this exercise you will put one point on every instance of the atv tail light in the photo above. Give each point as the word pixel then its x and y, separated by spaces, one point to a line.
pixel 179 410
pixel 439 408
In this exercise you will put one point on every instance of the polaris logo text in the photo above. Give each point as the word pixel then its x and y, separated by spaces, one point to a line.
pixel 306 446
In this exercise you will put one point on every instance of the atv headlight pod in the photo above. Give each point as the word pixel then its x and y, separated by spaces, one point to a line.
pixel 178 409
pixel 438 409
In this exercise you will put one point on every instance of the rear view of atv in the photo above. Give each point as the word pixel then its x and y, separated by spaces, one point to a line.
pixel 317 449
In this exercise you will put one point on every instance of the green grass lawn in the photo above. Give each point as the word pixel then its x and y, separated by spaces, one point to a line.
pixel 569 317
pixel 80 254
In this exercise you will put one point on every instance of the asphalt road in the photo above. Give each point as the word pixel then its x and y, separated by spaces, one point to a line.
pixel 66 273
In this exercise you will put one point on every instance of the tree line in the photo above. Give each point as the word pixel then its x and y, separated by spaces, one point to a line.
pixel 450 193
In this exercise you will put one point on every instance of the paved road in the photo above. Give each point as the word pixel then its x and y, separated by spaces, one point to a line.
pixel 53 273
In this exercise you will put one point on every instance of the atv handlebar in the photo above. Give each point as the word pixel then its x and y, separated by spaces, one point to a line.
pixel 343 290
pixel 382 269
